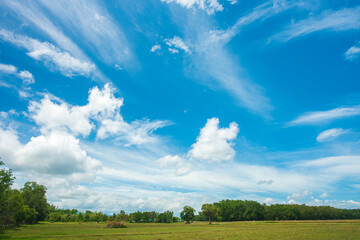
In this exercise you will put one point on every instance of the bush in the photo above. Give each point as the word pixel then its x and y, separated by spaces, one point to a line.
pixel 115 224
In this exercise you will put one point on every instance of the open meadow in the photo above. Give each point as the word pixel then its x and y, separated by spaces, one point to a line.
pixel 335 229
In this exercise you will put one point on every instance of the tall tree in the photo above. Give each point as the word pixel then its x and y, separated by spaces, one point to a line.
pixel 187 214
pixel 210 211
pixel 34 196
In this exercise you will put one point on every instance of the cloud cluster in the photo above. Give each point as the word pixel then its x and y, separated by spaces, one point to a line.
pixel 102 112
pixel 57 153
pixel 210 6
pixel 175 44
pixel 25 75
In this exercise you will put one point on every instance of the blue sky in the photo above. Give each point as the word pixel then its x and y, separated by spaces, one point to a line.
pixel 152 105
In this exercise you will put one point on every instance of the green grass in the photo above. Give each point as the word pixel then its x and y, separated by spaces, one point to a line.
pixel 344 229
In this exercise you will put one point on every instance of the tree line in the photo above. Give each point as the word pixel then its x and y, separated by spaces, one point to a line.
pixel 239 210
pixel 29 205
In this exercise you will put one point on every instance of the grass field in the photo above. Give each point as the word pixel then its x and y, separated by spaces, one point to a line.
pixel 344 229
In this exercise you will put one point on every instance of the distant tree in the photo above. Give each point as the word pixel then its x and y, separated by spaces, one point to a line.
pixel 187 214
pixel 137 216
pixel 165 217
pixel 210 211
pixel 34 196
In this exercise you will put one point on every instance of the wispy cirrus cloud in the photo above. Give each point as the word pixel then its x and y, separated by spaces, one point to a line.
pixel 220 68
pixel 92 25
pixel 341 20
pixel 316 117
pixel 53 57
pixel 353 53
pixel 86 22
pixel 331 134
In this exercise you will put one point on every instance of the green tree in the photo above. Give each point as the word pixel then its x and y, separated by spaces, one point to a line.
pixel 210 211
pixel 34 196
pixel 187 214
pixel 6 181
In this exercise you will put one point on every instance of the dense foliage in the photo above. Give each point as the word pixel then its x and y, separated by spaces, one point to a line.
pixel 238 210
pixel 187 214
pixel 25 206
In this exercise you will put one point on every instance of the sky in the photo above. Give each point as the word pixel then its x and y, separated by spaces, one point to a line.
pixel 156 104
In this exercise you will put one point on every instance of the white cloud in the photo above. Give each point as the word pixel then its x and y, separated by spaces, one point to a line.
pixel 102 108
pixel 337 166
pixel 176 43
pixel 352 53
pixel 325 116
pixel 269 201
pixel 27 77
pixel 50 55
pixel 155 48
pixel 8 69
pixel 215 66
pixel 214 143
pixel 295 197
pixel 91 23
pixel 324 195
pixel 331 134
pixel 173 51
pixel 134 133
pixel 53 154
pixel 175 163
pixel 341 20
pixel 210 6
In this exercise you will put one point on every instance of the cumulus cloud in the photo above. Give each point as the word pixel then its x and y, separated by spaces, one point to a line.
pixel 331 134
pixel 325 116
pixel 177 43
pixel 269 201
pixel 55 154
pixel 52 56
pixel 102 108
pixel 214 143
pixel 210 6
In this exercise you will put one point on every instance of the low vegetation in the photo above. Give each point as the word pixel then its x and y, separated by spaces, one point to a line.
pixel 279 230
pixel 115 224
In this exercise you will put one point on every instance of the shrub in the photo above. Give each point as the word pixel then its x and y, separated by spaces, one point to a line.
pixel 115 224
